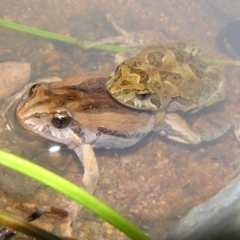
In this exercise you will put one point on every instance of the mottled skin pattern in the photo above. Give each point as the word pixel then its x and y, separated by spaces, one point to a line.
pixel 167 76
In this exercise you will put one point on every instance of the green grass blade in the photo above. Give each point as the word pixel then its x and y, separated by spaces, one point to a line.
pixel 72 191
pixel 37 32
pixel 104 47
pixel 26 228
pixel 210 61
pixel 58 37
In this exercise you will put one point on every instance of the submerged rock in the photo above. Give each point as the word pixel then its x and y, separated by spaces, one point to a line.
pixel 227 40
pixel 13 75
pixel 218 218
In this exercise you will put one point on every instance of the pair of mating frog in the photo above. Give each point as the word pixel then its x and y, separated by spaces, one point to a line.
pixel 143 94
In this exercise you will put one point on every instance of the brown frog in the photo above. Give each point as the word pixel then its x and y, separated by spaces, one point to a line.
pixel 146 91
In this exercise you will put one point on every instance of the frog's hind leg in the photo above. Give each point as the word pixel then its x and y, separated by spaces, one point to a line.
pixel 176 128
pixel 214 125
pixel 206 128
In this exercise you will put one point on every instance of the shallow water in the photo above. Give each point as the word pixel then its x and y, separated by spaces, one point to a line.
pixel 157 181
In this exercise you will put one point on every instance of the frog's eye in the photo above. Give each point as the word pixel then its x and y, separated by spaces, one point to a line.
pixel 143 96
pixel 61 120
pixel 33 89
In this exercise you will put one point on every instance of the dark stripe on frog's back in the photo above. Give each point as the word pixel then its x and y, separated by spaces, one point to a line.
pixel 120 134
pixel 91 97
pixel 113 137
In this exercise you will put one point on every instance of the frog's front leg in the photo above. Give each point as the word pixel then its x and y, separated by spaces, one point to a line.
pixel 90 177
pixel 108 40
pixel 123 37
pixel 205 128
pixel 88 159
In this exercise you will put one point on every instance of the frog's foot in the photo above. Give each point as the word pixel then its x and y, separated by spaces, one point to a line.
pixel 73 209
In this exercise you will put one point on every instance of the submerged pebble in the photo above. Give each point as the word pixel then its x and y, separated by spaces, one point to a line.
pixel 13 75
pixel 217 218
